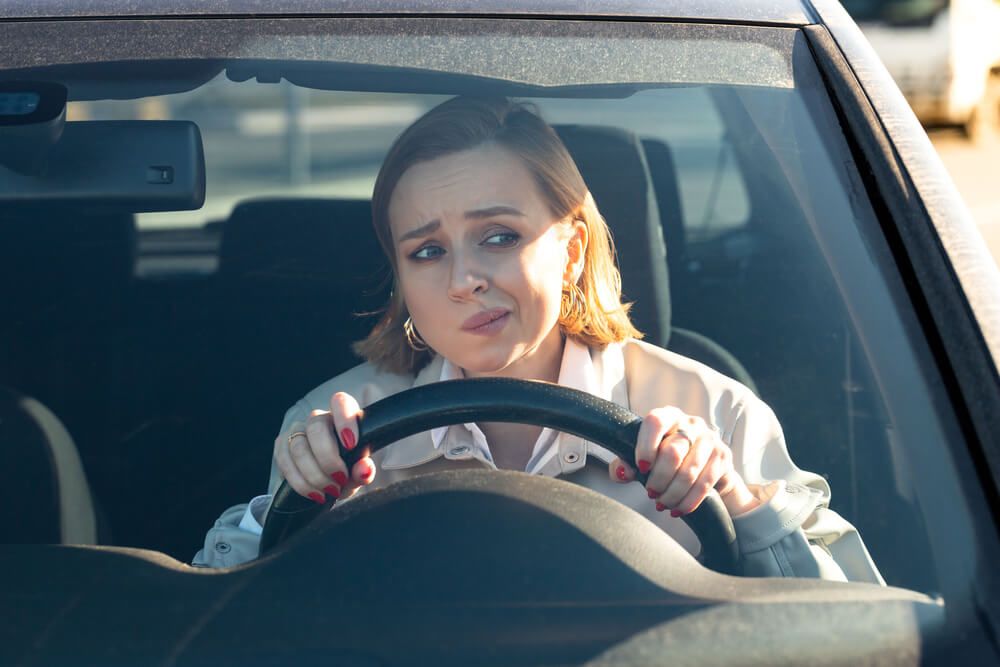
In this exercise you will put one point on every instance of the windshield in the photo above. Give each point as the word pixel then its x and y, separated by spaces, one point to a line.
pixel 175 341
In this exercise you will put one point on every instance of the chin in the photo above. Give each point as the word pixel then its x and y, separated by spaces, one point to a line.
pixel 484 366
pixel 483 361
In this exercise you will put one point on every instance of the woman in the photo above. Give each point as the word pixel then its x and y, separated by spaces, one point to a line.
pixel 503 267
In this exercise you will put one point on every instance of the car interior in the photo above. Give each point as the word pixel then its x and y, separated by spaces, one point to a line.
pixel 114 381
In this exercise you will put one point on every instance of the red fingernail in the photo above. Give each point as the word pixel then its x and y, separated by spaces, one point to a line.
pixel 339 477
pixel 317 498
pixel 366 470
pixel 347 437
pixel 620 473
pixel 644 466
pixel 676 513
pixel 660 507
pixel 332 491
pixel 651 493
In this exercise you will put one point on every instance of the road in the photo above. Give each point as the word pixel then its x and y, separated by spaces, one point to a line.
pixel 975 168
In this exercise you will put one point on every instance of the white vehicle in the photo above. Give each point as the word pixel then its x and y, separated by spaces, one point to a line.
pixel 943 54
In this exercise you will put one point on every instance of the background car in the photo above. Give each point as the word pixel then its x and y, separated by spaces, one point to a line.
pixel 944 54
pixel 191 251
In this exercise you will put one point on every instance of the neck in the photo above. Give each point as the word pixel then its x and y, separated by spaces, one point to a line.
pixel 512 444
pixel 541 363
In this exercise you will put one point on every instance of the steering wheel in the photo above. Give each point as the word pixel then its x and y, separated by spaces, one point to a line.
pixel 504 400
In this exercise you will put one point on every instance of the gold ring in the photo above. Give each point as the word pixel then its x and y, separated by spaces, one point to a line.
pixel 293 436
pixel 683 434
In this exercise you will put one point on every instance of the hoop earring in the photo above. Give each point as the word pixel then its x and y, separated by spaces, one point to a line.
pixel 573 304
pixel 413 337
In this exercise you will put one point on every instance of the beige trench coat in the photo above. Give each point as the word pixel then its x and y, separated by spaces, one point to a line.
pixel 792 533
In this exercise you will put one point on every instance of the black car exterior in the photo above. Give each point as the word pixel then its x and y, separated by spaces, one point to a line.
pixel 109 605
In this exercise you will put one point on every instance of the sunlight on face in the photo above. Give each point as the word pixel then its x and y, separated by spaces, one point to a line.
pixel 481 261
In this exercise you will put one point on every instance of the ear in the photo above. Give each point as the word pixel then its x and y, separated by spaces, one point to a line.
pixel 576 250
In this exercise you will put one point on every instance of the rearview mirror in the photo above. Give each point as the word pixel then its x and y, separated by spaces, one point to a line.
pixel 133 166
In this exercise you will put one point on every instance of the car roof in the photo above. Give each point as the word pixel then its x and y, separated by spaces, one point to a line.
pixel 781 12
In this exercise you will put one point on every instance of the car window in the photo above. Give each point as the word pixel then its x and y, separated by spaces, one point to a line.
pixel 224 316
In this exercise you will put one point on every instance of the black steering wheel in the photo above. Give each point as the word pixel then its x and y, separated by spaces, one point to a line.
pixel 504 400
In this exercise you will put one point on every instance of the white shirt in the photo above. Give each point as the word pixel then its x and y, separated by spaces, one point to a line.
pixel 576 371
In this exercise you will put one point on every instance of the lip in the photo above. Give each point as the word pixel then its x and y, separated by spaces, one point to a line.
pixel 486 321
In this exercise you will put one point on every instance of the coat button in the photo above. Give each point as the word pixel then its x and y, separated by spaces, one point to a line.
pixel 223 547
pixel 571 457
pixel 459 451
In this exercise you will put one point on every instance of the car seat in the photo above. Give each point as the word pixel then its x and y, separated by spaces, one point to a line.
pixel 302 274
pixel 44 494
pixel 298 281
pixel 65 278
pixel 614 165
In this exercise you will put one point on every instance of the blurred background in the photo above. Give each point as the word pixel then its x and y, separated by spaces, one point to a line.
pixel 945 56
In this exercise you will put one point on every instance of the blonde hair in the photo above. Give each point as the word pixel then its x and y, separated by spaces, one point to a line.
pixel 596 316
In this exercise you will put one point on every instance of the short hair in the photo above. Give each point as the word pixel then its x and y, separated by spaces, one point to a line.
pixel 464 123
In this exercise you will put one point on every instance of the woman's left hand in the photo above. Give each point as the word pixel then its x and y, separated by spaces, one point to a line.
pixel 685 459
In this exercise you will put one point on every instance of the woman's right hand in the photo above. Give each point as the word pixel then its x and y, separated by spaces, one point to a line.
pixel 308 455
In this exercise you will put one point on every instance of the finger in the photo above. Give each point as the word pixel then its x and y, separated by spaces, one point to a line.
pixel 281 442
pixel 621 472
pixel 654 427
pixel 709 477
pixel 363 472
pixel 688 472
pixel 290 472
pixel 300 452
pixel 345 411
pixel 669 458
pixel 325 449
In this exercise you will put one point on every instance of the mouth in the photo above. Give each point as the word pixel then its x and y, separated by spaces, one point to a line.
pixel 487 321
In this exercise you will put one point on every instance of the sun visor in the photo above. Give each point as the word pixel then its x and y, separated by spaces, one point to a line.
pixel 134 166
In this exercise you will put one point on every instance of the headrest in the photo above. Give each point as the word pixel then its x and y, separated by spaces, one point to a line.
pixel 320 242
pixel 614 167
pixel 270 238
pixel 64 264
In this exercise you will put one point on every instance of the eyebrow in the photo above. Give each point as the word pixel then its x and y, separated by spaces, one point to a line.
pixel 493 211
pixel 476 214
pixel 422 230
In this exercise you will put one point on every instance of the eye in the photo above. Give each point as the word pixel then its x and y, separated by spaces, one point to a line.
pixel 501 239
pixel 427 252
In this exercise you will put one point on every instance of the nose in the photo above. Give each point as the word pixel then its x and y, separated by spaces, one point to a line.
pixel 467 278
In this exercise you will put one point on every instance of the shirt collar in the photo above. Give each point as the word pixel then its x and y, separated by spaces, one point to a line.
pixel 598 371
pixel 576 371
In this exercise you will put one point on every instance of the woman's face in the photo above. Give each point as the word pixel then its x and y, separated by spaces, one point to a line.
pixel 481 261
